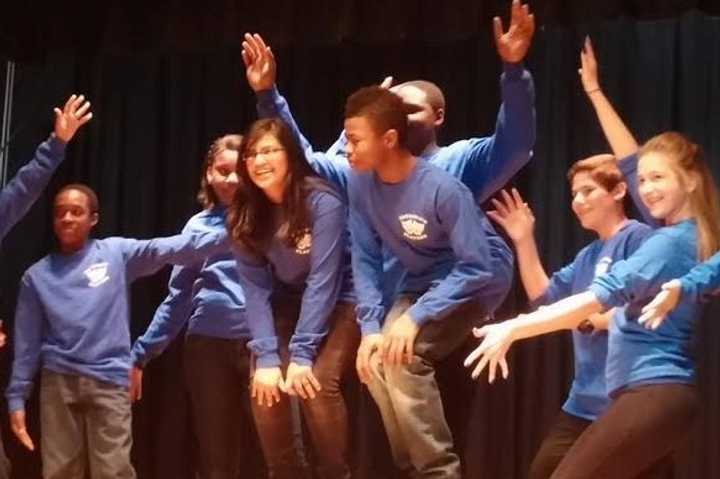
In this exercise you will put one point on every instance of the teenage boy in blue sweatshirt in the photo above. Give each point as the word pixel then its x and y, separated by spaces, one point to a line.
pixel 30 181
pixel 72 321
pixel 456 271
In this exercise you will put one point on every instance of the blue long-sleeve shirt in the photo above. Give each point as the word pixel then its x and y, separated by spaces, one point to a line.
pixel 588 397
pixel 637 355
pixel 317 268
pixel 29 182
pixel 208 297
pixel 72 310
pixel 432 224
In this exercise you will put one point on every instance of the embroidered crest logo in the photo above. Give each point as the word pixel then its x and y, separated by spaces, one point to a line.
pixel 602 266
pixel 413 226
pixel 97 274
pixel 304 244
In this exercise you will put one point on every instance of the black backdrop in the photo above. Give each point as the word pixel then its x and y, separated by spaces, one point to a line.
pixel 165 78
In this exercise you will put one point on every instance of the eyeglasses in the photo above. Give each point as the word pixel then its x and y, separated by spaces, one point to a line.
pixel 264 152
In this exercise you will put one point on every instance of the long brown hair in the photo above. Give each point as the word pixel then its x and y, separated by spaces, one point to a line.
pixel 206 196
pixel 250 222
pixel 688 159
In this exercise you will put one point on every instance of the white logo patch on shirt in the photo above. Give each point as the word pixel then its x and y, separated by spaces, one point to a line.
pixel 602 266
pixel 97 274
pixel 413 226
pixel 304 244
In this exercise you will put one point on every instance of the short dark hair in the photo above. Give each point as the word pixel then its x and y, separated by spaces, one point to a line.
pixel 87 191
pixel 206 196
pixel 384 109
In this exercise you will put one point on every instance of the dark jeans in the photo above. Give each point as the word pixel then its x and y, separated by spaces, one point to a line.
pixel 409 398
pixel 326 416
pixel 636 437
pixel 85 424
pixel 217 374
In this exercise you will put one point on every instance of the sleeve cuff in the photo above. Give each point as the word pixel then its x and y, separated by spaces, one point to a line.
pixel 137 359
pixel 266 352
pixel 268 360
pixel 513 70
pixel 304 347
pixel 56 145
pixel 419 314
pixel 602 294
pixel 302 361
pixel 369 327
pixel 688 289
pixel 16 404
pixel 266 102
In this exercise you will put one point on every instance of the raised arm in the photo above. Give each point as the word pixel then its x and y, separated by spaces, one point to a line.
pixel 621 140
pixel 261 72
pixel 30 181
pixel 516 218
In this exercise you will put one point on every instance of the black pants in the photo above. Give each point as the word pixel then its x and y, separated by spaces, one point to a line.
pixel 217 373
pixel 326 416
pixel 4 462
pixel 563 433
pixel 636 437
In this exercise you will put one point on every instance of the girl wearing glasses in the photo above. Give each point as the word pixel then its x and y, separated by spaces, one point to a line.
pixel 290 243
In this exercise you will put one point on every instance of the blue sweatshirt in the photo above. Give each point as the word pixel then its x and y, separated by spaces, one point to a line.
pixel 317 268
pixel 72 310
pixel 637 355
pixel 29 182
pixel 588 395
pixel 431 223
pixel 208 296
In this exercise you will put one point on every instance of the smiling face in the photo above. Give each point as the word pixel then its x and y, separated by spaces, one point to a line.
pixel 663 189
pixel 591 202
pixel 222 176
pixel 267 165
pixel 73 219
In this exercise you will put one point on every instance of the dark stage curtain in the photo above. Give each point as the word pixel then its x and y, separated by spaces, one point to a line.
pixel 162 90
